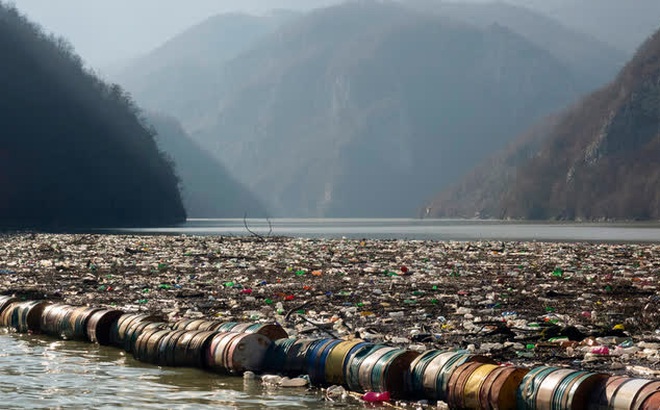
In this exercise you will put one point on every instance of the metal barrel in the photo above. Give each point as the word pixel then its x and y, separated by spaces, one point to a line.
pixel 119 329
pixel 647 392
pixel 474 383
pixel 368 365
pixel 334 364
pixel 53 319
pixel 628 393
pixel 355 360
pixel 432 373
pixel 498 391
pixel 166 348
pixel 78 320
pixel 603 392
pixel 448 368
pixel 210 325
pixel 575 391
pixel 457 381
pixel 650 402
pixel 238 352
pixel 100 324
pixel 417 369
pixel 529 387
pixel 316 360
pixel 391 372
pixel 276 357
pixel 190 348
pixel 134 330
pixel 182 324
pixel 145 348
pixel 25 316
pixel 8 313
pixel 273 332
pixel 5 301
pixel 296 354
pixel 227 326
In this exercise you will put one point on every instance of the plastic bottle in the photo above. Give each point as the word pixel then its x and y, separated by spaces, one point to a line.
pixel 373 397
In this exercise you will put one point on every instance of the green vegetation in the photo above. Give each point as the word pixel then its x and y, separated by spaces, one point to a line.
pixel 73 150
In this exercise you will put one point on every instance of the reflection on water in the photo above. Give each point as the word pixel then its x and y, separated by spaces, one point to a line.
pixel 40 372
pixel 430 229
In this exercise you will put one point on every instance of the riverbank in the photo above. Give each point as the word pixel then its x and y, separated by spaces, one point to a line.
pixel 587 306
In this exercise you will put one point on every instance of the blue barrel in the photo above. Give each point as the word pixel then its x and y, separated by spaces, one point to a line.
pixel 316 360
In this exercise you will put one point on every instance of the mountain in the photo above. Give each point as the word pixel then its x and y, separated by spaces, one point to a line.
pixel 623 24
pixel 364 108
pixel 596 161
pixel 597 61
pixel 73 150
pixel 184 71
pixel 207 188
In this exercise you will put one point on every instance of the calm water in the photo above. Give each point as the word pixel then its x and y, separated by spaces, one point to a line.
pixel 40 372
pixel 418 229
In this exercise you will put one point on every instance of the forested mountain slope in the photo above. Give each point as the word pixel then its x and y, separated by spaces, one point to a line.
pixel 598 160
pixel 73 151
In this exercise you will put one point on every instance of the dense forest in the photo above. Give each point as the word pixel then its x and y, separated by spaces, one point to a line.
pixel 74 151
pixel 599 160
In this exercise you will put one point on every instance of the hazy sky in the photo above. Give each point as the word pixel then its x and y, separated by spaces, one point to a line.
pixel 108 32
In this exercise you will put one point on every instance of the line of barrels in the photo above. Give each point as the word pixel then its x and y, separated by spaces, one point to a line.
pixel 463 380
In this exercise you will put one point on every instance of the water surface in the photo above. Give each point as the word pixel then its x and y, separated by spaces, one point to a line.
pixel 41 372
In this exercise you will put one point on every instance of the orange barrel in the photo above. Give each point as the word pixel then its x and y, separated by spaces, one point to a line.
pixel 498 391
pixel 238 352
pixel 24 316
pixel 648 391
pixel 295 363
pixel 474 383
pixel 650 402
pixel 629 392
pixel 417 370
pixel 391 373
pixel 334 363
pixel 5 301
pixel 457 381
pixel 100 324
pixel 316 359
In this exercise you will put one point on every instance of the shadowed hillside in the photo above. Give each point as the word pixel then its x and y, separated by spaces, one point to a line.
pixel 207 188
pixel 599 160
pixel 73 151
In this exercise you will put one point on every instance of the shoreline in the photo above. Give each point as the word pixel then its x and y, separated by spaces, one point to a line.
pixel 517 302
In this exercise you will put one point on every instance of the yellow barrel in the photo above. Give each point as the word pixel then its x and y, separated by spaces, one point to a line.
pixel 334 363
pixel 473 385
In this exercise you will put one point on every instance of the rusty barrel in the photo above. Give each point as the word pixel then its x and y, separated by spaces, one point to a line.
pixel 100 324
pixel 119 329
pixel 651 401
pixel 237 352
pixel 316 360
pixel 273 332
pixel 466 382
pixel 145 348
pixel 435 379
pixel 190 349
pixel 24 317
pixel 498 391
pixel 196 324
pixel 390 372
pixel 5 301
pixel 166 355
pixel 629 393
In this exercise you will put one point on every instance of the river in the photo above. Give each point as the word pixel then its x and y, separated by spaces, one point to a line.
pixel 431 229
pixel 45 373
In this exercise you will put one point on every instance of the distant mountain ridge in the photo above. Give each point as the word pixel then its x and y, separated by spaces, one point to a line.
pixel 208 190
pixel 596 161
pixel 334 117
pixel 73 150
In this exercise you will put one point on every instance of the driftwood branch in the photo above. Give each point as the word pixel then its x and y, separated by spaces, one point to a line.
pixel 250 230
